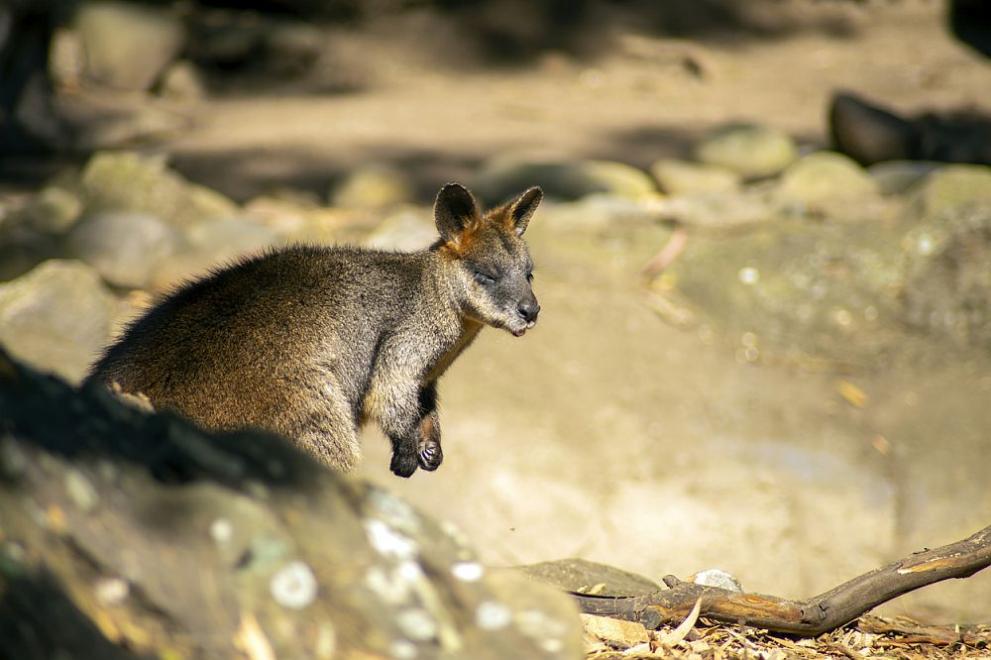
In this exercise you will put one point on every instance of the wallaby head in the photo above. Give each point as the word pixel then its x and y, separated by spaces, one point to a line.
pixel 489 261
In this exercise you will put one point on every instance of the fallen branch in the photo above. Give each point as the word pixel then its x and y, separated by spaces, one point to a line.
pixel 807 618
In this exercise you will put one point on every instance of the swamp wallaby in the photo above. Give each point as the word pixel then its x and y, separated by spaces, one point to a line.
pixel 311 341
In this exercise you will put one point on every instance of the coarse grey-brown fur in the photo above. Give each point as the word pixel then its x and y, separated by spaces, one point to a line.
pixel 312 341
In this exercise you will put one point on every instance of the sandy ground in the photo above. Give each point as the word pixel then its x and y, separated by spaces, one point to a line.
pixel 605 433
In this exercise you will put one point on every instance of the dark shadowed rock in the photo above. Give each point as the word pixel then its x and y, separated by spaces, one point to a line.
pixel 124 247
pixel 146 537
pixel 57 317
pixel 502 177
pixel 589 577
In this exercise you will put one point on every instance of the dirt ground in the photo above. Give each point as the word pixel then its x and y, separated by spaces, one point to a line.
pixel 606 433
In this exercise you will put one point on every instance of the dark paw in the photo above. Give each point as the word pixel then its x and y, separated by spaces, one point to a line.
pixel 403 463
pixel 430 455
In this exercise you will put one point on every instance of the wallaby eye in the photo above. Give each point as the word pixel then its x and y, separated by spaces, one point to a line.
pixel 484 278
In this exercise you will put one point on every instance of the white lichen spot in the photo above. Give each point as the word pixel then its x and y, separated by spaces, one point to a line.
pixel 749 275
pixel 468 571
pixel 388 541
pixel 394 511
pixel 80 490
pixel 716 577
pixel 402 650
pixel 536 624
pixel 409 571
pixel 925 245
pixel 551 645
pixel 111 590
pixel 294 586
pixel 390 588
pixel 221 530
pixel 842 317
pixel 491 615
pixel 417 624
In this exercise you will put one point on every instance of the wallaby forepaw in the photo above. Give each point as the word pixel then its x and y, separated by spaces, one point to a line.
pixel 430 455
pixel 403 464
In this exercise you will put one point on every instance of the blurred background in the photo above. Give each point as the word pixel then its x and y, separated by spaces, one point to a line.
pixel 764 261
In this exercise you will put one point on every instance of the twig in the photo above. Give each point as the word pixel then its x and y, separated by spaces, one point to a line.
pixel 807 618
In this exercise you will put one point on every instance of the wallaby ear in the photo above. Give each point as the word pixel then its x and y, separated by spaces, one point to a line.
pixel 522 209
pixel 454 209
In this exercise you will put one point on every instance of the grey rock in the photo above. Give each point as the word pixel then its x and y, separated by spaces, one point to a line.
pixel 128 181
pixel 127 46
pixel 124 247
pixel 589 577
pixel 228 238
pixel 818 180
pixel 53 210
pixel 343 556
pixel 372 187
pixel 720 210
pixel 678 177
pixel 56 317
pixel 894 177
pixel 504 177
pixel 750 150
pixel 21 249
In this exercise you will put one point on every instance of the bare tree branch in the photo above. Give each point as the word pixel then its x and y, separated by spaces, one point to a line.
pixel 807 618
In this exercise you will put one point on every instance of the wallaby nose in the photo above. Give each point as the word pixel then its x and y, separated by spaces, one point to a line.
pixel 529 310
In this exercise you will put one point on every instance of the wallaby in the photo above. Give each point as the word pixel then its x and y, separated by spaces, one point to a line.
pixel 310 342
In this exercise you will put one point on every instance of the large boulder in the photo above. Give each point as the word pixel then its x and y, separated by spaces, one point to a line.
pixel 128 181
pixel 678 177
pixel 750 150
pixel 126 45
pixel 57 317
pixel 143 535
pixel 372 187
pixel 953 188
pixel 124 247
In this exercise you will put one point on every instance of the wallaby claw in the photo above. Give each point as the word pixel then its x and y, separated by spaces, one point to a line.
pixel 403 463
pixel 430 456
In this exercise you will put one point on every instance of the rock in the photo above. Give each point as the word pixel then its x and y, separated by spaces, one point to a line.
pixel 751 151
pixel 291 48
pixel 407 230
pixel 717 577
pixel 127 181
pixel 615 632
pixel 595 212
pixel 57 317
pixel 267 554
pixel 750 206
pixel 21 249
pixel 678 177
pixel 229 238
pixel 818 180
pixel 954 188
pixel 589 577
pixel 372 187
pixel 124 247
pixel 947 291
pixel 898 176
pixel 182 82
pixel 503 178
pixel 127 46
pixel 53 210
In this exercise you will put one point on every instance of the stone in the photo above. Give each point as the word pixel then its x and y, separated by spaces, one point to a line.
pixel 297 545
pixel 953 188
pixel 21 249
pixel 819 179
pixel 182 82
pixel 503 178
pixel 407 230
pixel 898 176
pixel 750 150
pixel 750 206
pixel 57 317
pixel 372 187
pixel 679 177
pixel 225 239
pixel 615 632
pixel 589 577
pixel 125 247
pixel 53 210
pixel 127 46
pixel 128 181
